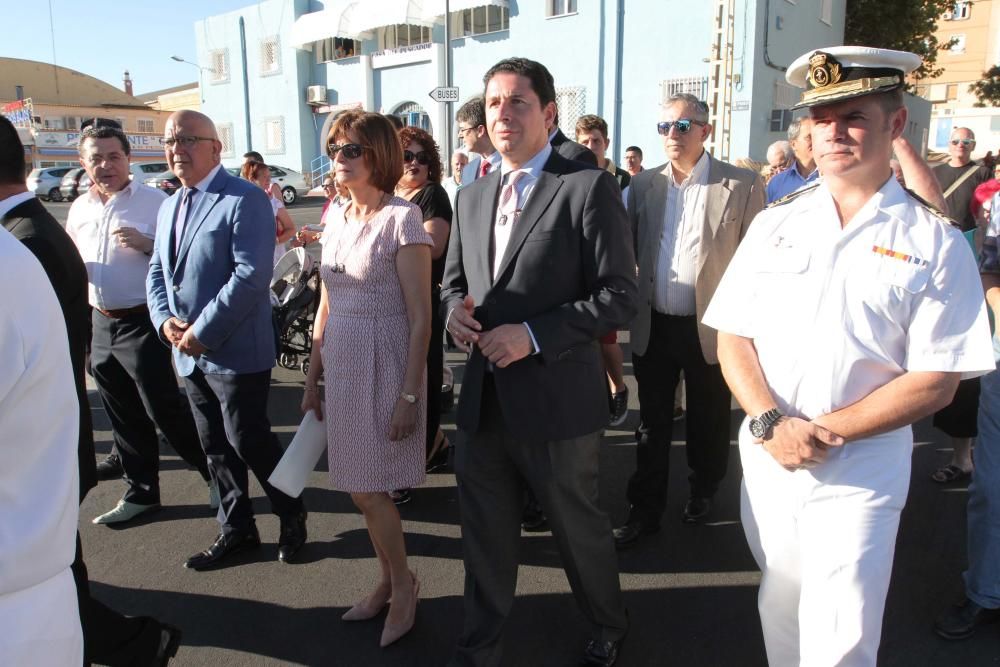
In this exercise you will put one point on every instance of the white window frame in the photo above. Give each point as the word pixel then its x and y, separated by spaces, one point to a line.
pixel 219 57
pixel 53 123
pixel 123 122
pixel 575 95
pixel 460 19
pixel 960 11
pixel 693 85
pixel 410 30
pixel 270 64
pixel 149 122
pixel 226 138
pixel 73 122
pixel 326 49
pixel 958 48
pixel 558 8
pixel 270 124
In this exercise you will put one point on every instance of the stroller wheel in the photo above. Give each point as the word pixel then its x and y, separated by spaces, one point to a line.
pixel 288 360
pixel 305 366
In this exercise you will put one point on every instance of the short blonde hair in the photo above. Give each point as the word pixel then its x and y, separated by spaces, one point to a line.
pixel 382 155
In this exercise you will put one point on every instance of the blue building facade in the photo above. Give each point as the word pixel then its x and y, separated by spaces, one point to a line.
pixel 308 60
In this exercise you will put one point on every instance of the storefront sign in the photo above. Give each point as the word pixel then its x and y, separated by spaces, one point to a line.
pixel 19 112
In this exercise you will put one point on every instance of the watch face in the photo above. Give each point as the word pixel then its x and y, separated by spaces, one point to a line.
pixel 757 428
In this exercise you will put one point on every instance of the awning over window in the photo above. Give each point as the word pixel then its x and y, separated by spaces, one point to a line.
pixel 435 8
pixel 370 15
pixel 339 19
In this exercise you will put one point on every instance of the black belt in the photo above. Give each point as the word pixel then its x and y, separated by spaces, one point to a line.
pixel 119 313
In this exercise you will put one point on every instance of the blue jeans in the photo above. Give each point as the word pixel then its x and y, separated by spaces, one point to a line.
pixel 982 579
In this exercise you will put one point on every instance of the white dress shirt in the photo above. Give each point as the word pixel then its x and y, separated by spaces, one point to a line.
pixel 680 241
pixel 117 275
pixel 200 188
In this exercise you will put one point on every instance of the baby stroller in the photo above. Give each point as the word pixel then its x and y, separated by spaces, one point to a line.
pixel 294 297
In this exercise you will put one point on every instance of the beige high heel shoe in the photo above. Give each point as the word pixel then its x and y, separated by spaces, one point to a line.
pixel 393 632
pixel 366 609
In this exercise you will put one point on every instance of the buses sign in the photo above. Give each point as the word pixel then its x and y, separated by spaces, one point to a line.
pixel 444 94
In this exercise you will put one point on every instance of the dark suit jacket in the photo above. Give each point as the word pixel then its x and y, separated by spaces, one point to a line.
pixel 569 272
pixel 220 279
pixel 571 150
pixel 735 196
pixel 35 227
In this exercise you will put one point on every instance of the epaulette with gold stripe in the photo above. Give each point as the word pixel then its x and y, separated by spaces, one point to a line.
pixel 789 197
pixel 932 208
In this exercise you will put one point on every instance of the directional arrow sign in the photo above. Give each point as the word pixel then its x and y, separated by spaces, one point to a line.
pixel 444 94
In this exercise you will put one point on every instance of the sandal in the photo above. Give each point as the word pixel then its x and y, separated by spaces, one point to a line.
pixel 950 473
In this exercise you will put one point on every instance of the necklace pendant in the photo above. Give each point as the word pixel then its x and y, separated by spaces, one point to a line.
pixel 503 220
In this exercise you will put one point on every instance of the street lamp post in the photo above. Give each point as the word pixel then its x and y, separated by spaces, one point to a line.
pixel 201 85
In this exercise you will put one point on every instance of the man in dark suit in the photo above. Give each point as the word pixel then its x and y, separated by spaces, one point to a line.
pixel 108 637
pixel 539 267
pixel 687 218
pixel 566 147
pixel 208 284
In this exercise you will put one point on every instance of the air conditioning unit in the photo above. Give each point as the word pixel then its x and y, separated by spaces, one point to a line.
pixel 948 15
pixel 316 95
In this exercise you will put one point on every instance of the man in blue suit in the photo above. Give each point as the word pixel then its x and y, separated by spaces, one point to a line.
pixel 208 286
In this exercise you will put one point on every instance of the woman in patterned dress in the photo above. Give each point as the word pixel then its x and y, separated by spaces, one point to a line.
pixel 370 340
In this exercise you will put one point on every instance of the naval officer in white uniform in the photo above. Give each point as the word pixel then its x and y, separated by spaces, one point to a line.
pixel 849 311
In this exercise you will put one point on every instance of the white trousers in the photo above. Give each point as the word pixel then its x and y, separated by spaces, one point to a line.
pixel 824 540
pixel 40 626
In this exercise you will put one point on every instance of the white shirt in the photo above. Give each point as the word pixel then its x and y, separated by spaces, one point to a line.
pixel 38 407
pixel 117 275
pixel 680 241
pixel 836 313
pixel 12 202
pixel 200 187
pixel 530 169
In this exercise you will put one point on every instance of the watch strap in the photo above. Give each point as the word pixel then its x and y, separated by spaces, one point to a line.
pixel 770 418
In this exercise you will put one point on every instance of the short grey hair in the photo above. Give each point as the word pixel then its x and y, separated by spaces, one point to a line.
pixel 783 146
pixel 795 127
pixel 699 107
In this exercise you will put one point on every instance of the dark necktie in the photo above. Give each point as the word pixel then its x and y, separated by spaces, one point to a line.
pixel 182 215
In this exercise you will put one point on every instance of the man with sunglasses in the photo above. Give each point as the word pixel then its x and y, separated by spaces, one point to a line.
pixel 483 157
pixel 849 311
pixel 960 176
pixel 208 292
pixel 687 218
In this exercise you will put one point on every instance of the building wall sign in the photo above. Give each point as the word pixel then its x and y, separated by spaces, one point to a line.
pixel 337 108
pixel 404 55
pixel 59 139
pixel 19 113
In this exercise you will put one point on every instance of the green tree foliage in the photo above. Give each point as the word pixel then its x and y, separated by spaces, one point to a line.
pixel 904 25
pixel 987 90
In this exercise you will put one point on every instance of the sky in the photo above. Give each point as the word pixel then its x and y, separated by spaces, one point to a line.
pixel 103 38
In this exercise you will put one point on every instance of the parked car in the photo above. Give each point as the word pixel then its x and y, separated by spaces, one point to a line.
pixel 45 182
pixel 69 183
pixel 143 170
pixel 292 183
pixel 83 184
pixel 165 181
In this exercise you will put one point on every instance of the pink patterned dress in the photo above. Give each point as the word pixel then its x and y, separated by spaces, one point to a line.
pixel 364 350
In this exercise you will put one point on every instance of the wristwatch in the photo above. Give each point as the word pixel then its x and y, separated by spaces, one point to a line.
pixel 761 424
pixel 409 398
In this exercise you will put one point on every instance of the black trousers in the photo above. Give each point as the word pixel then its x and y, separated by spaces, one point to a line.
pixel 435 370
pixel 230 412
pixel 110 638
pixel 491 466
pixel 673 347
pixel 136 380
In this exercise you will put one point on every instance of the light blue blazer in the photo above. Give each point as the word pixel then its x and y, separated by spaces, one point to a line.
pixel 220 278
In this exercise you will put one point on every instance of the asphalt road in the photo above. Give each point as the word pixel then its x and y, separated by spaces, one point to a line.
pixel 691 590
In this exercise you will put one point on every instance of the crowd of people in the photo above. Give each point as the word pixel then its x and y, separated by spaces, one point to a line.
pixel 834 305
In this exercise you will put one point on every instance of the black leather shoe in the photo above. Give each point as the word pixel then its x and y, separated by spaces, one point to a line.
pixel 629 534
pixel 696 509
pixel 224 547
pixel 110 468
pixel 533 520
pixel 170 640
pixel 961 620
pixel 293 536
pixel 601 653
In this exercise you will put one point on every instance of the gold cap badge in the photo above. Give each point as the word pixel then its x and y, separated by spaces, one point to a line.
pixel 824 70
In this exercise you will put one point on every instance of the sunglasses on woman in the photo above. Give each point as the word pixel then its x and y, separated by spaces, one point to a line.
pixel 421 157
pixel 351 151
pixel 683 125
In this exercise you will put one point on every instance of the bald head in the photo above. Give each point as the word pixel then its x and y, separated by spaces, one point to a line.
pixel 191 145
pixel 779 156
pixel 458 161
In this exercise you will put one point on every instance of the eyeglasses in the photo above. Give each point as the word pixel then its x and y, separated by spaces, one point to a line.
pixel 964 142
pixel 351 151
pixel 463 130
pixel 421 157
pixel 683 125
pixel 185 141
pixel 328 186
